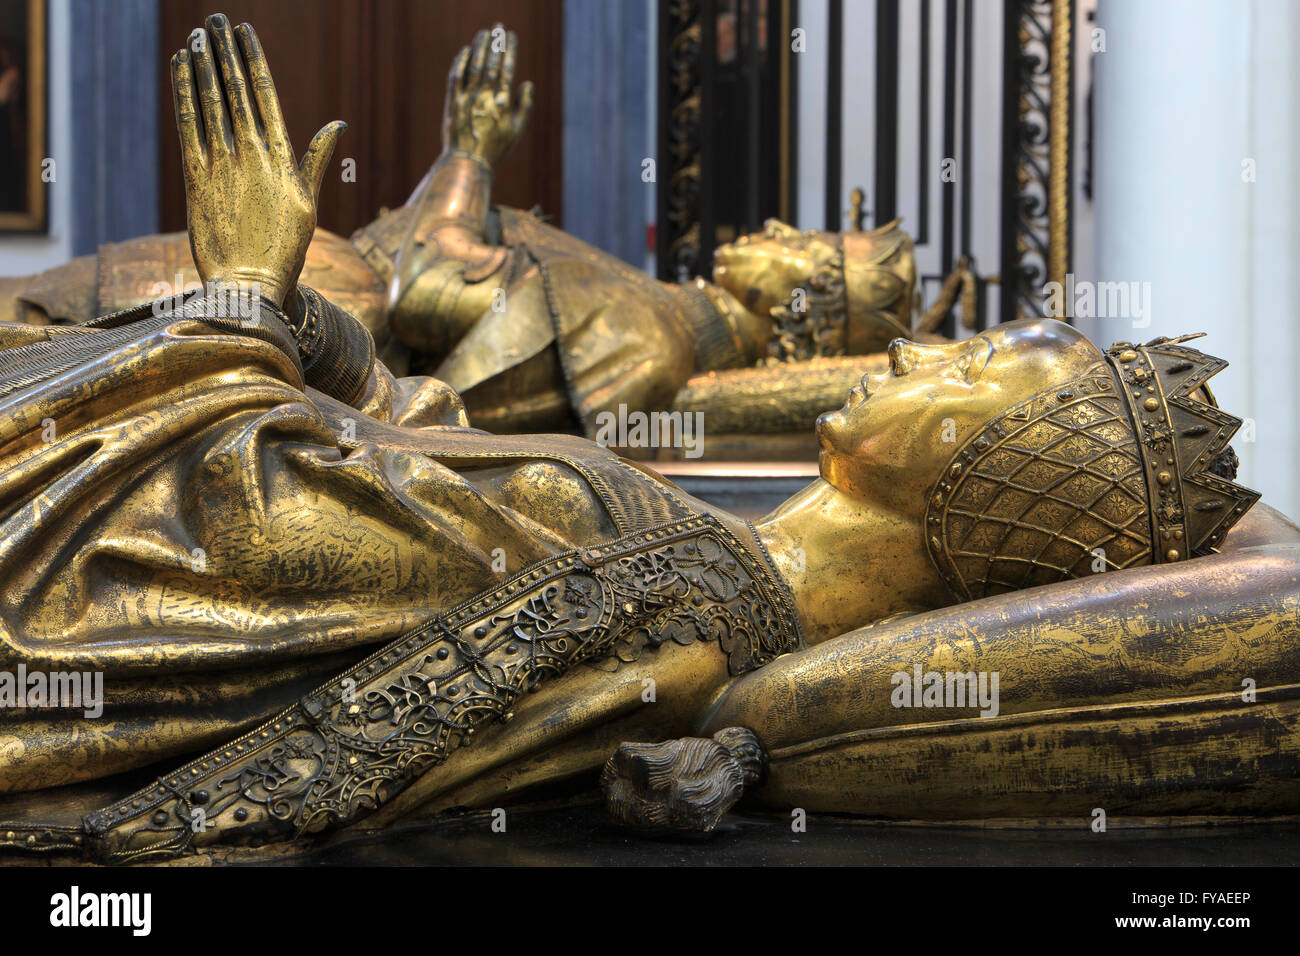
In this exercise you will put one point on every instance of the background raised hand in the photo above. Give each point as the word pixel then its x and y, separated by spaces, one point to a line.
pixel 481 116
pixel 251 207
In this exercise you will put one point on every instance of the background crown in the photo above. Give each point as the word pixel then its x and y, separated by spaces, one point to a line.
pixel 1183 437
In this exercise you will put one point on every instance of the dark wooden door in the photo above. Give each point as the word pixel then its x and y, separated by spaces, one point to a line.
pixel 382 66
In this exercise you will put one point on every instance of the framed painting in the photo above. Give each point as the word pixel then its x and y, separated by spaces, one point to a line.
pixel 23 104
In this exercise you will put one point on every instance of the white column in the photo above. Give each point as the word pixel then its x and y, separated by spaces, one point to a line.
pixel 1192 98
pixel 814 19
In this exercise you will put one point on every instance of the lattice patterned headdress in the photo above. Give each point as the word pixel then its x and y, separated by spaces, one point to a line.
pixel 1126 466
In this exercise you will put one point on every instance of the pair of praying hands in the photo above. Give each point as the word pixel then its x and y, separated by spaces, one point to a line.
pixel 252 207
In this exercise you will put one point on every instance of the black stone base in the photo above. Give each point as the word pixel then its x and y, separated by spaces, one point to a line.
pixel 583 836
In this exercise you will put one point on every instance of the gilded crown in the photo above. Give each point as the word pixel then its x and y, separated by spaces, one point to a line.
pixel 1183 436
pixel 1126 466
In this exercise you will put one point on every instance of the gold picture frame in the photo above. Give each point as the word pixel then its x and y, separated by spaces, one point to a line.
pixel 23 119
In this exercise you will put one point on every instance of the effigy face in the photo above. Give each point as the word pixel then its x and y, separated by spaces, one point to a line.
pixel 761 269
pixel 883 440
pixel 827 294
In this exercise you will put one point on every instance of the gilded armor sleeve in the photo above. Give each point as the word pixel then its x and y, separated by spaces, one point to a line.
pixel 336 351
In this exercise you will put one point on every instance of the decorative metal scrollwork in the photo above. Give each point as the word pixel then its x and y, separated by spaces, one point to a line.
pixel 681 177
pixel 1037 160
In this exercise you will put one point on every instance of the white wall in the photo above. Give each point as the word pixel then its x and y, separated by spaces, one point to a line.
pixel 1187 90
pixel 22 255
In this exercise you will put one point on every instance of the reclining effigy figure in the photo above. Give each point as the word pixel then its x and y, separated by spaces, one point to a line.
pixel 537 330
pixel 342 605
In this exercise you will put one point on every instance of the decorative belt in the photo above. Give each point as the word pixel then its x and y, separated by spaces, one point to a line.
pixel 349 747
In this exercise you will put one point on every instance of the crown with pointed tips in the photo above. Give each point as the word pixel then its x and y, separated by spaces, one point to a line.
pixel 1182 434
pixel 1126 466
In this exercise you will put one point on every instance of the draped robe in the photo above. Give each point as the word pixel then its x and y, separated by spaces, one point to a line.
pixel 180 512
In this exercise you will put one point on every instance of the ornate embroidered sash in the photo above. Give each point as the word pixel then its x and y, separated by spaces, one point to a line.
pixel 346 749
